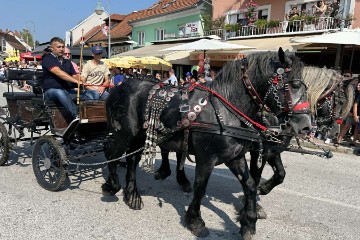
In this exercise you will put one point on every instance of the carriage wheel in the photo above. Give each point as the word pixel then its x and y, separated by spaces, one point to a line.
pixel 4 145
pixel 48 157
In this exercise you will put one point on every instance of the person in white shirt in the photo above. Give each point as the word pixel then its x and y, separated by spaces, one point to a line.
pixel 172 79
pixel 96 73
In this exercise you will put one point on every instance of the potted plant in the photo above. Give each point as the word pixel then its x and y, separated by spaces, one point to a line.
pixel 348 19
pixel 228 27
pixel 274 23
pixel 261 25
pixel 231 30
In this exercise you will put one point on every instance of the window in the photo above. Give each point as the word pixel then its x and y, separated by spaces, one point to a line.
pixel 181 30
pixel 141 38
pixel 263 14
pixel 160 34
pixel 3 44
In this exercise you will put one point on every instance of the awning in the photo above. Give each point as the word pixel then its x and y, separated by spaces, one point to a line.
pixel 29 57
pixel 175 57
pixel 270 43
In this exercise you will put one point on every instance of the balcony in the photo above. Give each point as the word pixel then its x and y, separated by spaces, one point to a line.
pixel 264 27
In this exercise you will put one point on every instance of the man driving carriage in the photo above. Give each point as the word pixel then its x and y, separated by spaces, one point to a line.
pixel 60 77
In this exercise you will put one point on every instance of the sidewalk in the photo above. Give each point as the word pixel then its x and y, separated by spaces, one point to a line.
pixel 343 148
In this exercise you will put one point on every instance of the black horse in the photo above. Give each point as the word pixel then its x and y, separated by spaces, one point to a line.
pixel 331 97
pixel 223 132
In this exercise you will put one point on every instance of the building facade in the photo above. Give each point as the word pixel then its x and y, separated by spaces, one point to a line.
pixel 73 35
pixel 169 19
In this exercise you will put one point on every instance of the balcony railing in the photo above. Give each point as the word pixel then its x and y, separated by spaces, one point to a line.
pixel 295 26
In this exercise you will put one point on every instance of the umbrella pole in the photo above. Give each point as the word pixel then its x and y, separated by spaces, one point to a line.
pixel 352 57
pixel 81 59
pixel 339 57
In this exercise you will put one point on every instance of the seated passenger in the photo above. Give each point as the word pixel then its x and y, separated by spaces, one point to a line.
pixel 96 73
pixel 59 77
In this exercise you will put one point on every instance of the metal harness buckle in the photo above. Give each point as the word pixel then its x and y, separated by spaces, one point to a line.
pixel 185 108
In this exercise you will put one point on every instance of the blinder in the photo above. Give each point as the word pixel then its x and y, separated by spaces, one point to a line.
pixel 279 81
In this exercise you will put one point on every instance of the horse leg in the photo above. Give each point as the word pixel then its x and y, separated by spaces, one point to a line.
pixel 164 171
pixel 193 215
pixel 181 178
pixel 112 184
pixel 248 217
pixel 278 177
pixel 256 174
pixel 132 196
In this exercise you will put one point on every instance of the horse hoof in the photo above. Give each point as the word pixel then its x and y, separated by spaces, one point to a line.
pixel 247 234
pixel 198 229
pixel 134 201
pixel 161 175
pixel 260 212
pixel 108 190
pixel 186 188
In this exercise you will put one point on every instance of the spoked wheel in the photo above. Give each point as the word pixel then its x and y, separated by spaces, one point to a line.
pixel 48 158
pixel 4 145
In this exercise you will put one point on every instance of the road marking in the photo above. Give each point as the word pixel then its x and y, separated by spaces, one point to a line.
pixel 232 177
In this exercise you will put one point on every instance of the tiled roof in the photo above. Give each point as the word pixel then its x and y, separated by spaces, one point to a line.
pixel 166 6
pixel 89 34
pixel 118 17
pixel 122 29
pixel 13 42
pixel 118 31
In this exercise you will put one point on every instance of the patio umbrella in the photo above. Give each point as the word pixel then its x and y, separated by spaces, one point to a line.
pixel 28 56
pixel 155 63
pixel 123 62
pixel 207 45
pixel 339 38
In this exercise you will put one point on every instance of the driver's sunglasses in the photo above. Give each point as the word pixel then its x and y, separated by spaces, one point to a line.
pixel 67 53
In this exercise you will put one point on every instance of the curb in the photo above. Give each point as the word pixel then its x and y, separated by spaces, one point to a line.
pixel 331 147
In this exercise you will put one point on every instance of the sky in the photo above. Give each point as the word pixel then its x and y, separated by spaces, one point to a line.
pixel 54 17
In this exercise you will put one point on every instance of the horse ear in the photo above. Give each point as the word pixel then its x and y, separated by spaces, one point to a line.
pixel 281 54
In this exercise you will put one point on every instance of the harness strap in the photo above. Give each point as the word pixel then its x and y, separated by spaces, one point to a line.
pixel 258 125
pixel 253 93
pixel 185 148
pixel 235 132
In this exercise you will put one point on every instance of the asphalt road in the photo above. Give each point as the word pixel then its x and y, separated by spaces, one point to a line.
pixel 318 200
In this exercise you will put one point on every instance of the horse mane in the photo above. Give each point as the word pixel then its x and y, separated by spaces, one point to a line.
pixel 228 80
pixel 350 98
pixel 317 81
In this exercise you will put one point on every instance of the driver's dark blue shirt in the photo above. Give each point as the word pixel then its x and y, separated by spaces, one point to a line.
pixel 51 80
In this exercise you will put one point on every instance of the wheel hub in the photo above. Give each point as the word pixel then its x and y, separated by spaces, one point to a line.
pixel 47 163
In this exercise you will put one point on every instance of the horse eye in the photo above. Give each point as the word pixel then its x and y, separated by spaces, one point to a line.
pixel 296 84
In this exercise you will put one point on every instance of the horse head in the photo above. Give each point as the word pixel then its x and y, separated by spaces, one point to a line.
pixel 287 94
pixel 330 96
pixel 334 106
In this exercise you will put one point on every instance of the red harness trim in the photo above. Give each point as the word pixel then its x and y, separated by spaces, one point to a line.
pixel 339 121
pixel 301 106
pixel 229 104
pixel 99 85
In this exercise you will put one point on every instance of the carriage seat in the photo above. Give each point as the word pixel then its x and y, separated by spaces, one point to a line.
pixel 21 95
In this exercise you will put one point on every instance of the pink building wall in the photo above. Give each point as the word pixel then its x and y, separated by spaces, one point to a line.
pixel 356 23
pixel 222 6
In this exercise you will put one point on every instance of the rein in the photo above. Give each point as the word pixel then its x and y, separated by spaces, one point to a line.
pixel 213 92
pixel 99 85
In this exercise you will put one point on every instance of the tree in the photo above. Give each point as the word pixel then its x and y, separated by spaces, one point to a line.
pixel 27 37
pixel 210 24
